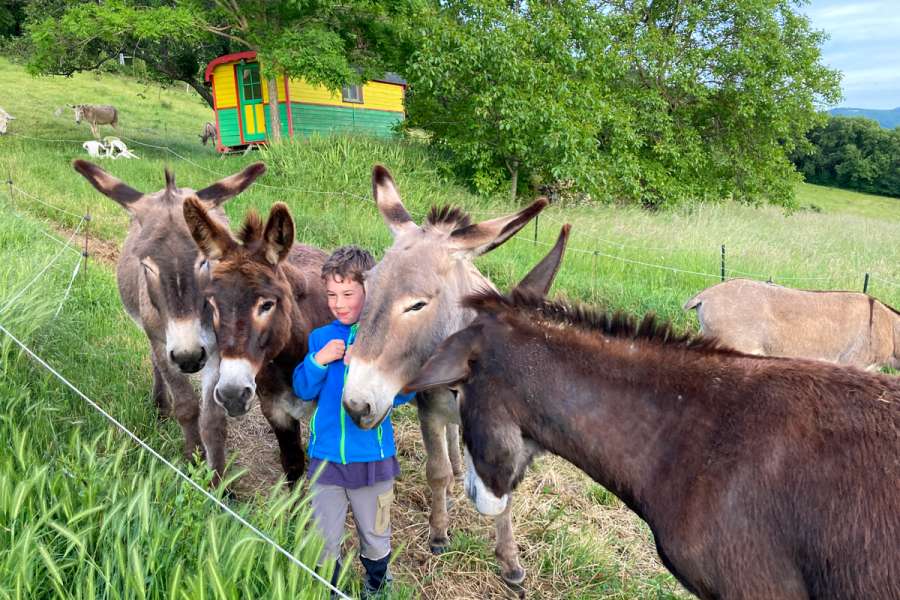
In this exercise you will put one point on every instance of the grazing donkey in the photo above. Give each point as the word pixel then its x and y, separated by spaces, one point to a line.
pixel 759 477
pixel 412 303
pixel 266 295
pixel 770 320
pixel 5 118
pixel 160 275
pixel 209 133
pixel 96 114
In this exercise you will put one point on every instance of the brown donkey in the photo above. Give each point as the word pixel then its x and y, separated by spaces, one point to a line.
pixel 160 274
pixel 759 477
pixel 266 295
pixel 412 303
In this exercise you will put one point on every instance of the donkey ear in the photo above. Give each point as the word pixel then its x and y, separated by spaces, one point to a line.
pixel 228 188
pixel 540 278
pixel 450 362
pixel 108 185
pixel 278 236
pixel 483 237
pixel 211 237
pixel 389 204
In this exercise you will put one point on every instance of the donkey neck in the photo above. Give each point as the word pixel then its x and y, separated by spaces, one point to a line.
pixel 463 279
pixel 621 412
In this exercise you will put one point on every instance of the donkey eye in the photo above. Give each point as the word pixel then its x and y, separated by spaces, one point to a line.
pixel 417 306
pixel 266 306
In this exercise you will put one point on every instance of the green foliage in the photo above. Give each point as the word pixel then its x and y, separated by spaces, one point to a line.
pixel 853 153
pixel 82 36
pixel 650 102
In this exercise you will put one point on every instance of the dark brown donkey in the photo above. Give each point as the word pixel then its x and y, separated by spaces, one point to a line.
pixel 759 477
pixel 412 303
pixel 266 295
pixel 159 274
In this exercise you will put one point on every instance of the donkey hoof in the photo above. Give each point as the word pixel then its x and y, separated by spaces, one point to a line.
pixel 514 580
pixel 438 549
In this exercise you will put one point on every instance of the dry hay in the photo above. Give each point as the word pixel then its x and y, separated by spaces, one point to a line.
pixel 555 509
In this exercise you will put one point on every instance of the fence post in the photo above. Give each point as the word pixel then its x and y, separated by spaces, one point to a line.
pixel 723 262
pixel 866 284
pixel 536 217
pixel 84 253
pixel 10 183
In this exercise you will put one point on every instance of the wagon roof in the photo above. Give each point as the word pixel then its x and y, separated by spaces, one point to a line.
pixel 251 55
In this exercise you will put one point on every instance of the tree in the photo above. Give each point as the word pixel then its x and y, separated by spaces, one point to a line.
pixel 68 37
pixel 325 42
pixel 653 101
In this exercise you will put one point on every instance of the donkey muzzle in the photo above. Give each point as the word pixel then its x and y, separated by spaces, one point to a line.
pixel 483 498
pixel 189 361
pixel 236 386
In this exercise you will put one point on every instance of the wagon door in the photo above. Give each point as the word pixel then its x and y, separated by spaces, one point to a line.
pixel 253 118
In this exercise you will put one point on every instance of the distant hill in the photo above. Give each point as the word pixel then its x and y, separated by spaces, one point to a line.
pixel 886 118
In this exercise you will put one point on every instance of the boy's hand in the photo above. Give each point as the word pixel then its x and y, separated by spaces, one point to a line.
pixel 332 351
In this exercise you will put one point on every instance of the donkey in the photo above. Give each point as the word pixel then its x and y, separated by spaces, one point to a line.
pixel 5 118
pixel 770 320
pixel 209 133
pixel 412 303
pixel 160 274
pixel 759 477
pixel 96 114
pixel 266 295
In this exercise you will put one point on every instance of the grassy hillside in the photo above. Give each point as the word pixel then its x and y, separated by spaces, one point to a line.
pixel 576 541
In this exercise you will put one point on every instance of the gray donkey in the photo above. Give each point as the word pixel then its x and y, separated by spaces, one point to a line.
pixel 96 114
pixel 160 274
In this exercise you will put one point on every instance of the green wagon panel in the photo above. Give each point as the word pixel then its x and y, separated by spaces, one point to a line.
pixel 282 111
pixel 311 118
pixel 229 129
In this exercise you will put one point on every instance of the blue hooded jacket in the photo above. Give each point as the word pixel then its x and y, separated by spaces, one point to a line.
pixel 333 436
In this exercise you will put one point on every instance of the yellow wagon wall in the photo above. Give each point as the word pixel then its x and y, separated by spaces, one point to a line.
pixel 377 95
pixel 226 91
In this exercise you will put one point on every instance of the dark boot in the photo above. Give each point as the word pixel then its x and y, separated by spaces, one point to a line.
pixel 334 579
pixel 378 577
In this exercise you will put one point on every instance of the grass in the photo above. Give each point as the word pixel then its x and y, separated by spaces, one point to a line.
pixel 82 511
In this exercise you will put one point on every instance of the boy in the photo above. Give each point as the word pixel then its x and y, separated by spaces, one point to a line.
pixel 360 465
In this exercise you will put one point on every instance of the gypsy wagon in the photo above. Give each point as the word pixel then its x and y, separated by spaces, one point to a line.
pixel 241 104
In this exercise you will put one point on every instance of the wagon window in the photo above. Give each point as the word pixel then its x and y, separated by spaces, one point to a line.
pixel 352 93
pixel 252 84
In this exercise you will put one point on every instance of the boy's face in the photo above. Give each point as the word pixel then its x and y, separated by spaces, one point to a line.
pixel 345 298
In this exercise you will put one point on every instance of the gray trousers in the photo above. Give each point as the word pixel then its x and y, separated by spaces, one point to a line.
pixel 371 508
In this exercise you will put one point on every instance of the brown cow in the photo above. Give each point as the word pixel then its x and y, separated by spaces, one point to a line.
pixel 770 320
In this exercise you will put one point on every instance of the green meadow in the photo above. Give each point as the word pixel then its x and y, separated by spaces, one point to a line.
pixel 85 513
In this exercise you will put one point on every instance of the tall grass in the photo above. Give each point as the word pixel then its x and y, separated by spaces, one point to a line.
pixel 84 512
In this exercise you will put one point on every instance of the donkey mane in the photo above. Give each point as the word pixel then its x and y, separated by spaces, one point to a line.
pixel 252 229
pixel 452 216
pixel 587 318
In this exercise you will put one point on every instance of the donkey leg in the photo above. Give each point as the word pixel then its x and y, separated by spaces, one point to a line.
pixel 507 551
pixel 213 431
pixel 160 391
pixel 439 473
pixel 287 431
pixel 185 403
pixel 453 449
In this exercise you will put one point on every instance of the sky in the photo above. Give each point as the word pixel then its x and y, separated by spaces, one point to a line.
pixel 864 45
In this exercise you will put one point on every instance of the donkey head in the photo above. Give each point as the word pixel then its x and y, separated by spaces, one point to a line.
pixel 412 295
pixel 171 270
pixel 497 454
pixel 79 112
pixel 251 298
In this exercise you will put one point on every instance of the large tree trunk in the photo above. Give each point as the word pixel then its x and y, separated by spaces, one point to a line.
pixel 274 116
